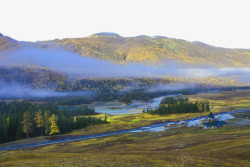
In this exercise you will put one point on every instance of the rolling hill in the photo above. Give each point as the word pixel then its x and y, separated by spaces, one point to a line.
pixel 142 49
pixel 145 49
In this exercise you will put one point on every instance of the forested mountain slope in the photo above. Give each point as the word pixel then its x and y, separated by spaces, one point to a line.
pixel 145 49
pixel 142 49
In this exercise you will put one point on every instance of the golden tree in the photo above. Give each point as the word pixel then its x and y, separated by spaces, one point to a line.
pixel 53 125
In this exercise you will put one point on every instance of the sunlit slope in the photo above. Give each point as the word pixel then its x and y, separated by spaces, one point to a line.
pixel 141 49
pixel 145 49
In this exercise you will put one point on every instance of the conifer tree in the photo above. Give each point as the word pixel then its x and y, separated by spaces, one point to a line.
pixel 39 120
pixel 47 122
pixel 105 119
pixel 27 123
pixel 207 106
pixel 211 115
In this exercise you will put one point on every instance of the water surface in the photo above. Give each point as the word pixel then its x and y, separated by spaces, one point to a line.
pixel 117 108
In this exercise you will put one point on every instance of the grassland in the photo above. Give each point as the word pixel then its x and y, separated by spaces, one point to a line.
pixel 225 101
pixel 226 146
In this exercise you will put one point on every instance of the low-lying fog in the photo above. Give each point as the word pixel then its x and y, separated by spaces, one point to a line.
pixel 68 62
pixel 17 91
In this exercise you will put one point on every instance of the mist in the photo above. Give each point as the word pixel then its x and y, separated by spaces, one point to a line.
pixel 70 63
pixel 67 62
pixel 18 91
pixel 172 87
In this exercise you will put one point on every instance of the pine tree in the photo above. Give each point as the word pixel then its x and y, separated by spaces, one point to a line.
pixel 53 125
pixel 211 115
pixel 207 106
pixel 105 119
pixel 47 122
pixel 39 121
pixel 3 130
pixel 27 123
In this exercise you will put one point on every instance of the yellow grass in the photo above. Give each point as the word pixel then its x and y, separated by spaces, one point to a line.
pixel 225 101
pixel 227 146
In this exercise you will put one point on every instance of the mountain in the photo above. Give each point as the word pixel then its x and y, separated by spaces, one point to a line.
pixel 142 49
pixel 145 49
pixel 106 34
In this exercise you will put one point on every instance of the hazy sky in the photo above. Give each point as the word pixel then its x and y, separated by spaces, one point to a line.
pixel 222 23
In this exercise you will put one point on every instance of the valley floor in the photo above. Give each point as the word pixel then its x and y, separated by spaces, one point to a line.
pixel 225 146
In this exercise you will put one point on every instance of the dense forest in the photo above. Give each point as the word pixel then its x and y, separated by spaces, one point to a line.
pixel 112 95
pixel 175 105
pixel 20 120
pixel 40 77
pixel 103 89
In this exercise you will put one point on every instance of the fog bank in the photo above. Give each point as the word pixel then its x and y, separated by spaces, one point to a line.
pixel 17 91
pixel 68 62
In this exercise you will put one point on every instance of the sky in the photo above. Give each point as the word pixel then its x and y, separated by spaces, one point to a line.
pixel 223 23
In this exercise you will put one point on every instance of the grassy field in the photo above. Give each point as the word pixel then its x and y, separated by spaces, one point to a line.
pixel 225 101
pixel 226 146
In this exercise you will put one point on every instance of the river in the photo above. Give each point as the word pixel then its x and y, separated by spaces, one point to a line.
pixel 117 108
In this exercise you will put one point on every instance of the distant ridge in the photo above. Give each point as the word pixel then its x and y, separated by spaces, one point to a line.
pixel 159 36
pixel 107 34
pixel 1 35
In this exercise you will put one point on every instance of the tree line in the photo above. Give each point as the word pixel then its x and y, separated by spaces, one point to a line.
pixel 19 119
pixel 171 105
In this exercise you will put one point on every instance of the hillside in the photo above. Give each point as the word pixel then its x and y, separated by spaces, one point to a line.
pixel 7 43
pixel 145 49
pixel 142 49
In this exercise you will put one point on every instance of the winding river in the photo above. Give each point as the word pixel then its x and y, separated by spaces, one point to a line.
pixel 117 108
